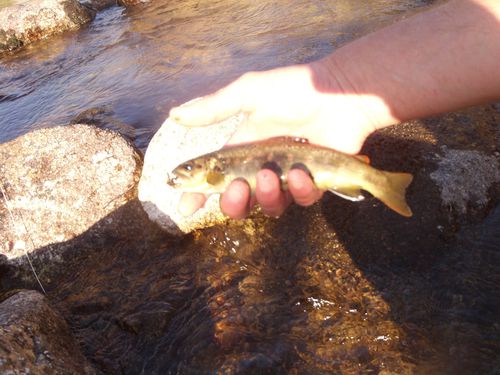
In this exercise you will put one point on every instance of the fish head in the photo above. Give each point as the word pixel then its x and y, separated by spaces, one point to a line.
pixel 202 175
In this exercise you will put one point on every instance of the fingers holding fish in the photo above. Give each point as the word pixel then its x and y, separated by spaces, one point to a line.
pixel 209 109
pixel 261 166
pixel 236 201
pixel 237 97
pixel 302 188
pixel 272 200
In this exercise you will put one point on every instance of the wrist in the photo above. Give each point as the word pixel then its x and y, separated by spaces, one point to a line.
pixel 346 87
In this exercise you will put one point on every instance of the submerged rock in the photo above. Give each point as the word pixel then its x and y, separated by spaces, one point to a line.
pixel 104 117
pixel 35 339
pixel 24 23
pixel 465 177
pixel 99 4
pixel 103 4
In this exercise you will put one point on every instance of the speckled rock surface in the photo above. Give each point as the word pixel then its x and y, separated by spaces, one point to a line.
pixel 29 21
pixel 35 339
pixel 465 176
pixel 58 182
pixel 172 145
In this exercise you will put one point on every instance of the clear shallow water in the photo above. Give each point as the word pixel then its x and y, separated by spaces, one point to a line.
pixel 140 62
pixel 267 296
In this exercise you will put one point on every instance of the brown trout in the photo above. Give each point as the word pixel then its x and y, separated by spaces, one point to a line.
pixel 343 174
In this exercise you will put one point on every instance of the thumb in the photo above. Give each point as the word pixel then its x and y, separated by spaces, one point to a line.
pixel 209 109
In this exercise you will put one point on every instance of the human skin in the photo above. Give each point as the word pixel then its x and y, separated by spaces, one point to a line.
pixel 437 61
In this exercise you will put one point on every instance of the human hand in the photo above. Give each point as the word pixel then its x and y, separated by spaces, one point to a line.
pixel 299 101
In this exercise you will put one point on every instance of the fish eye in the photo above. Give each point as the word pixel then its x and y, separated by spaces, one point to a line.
pixel 187 167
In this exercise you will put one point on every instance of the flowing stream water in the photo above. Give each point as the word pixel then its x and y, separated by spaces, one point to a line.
pixel 134 64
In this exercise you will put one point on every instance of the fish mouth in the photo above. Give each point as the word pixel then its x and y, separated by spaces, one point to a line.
pixel 173 180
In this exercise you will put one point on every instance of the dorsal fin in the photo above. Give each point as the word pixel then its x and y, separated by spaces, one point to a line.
pixel 299 139
pixel 287 138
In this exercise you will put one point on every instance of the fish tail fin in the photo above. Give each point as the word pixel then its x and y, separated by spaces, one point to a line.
pixel 392 193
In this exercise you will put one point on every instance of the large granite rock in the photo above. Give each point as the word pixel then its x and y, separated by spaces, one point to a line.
pixel 32 20
pixel 171 145
pixel 35 339
pixel 56 183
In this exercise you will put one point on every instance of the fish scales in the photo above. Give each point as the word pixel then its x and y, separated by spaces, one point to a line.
pixel 280 160
pixel 343 174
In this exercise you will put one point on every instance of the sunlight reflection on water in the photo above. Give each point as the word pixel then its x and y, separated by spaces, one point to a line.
pixel 143 60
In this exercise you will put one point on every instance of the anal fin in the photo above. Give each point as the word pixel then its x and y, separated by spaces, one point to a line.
pixel 350 193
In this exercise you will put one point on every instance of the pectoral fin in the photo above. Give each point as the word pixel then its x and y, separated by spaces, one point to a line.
pixel 214 178
pixel 363 158
pixel 351 193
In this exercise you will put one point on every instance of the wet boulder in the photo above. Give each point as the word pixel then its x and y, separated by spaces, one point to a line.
pixel 102 4
pixel 26 22
pixel 35 339
pixel 104 117
pixel 98 5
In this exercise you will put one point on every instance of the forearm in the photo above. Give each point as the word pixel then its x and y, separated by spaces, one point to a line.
pixel 437 61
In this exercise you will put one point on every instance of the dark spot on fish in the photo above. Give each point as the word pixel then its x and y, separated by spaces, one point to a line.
pixel 302 167
pixel 273 166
